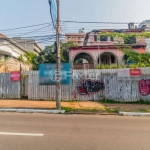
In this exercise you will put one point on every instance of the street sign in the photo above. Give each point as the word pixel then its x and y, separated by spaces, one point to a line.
pixel 15 76
pixel 53 12
pixel 48 74
pixel 129 74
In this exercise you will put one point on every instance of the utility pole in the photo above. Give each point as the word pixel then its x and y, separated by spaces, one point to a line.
pixel 58 84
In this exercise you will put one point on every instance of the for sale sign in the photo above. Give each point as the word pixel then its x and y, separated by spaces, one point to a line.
pixel 129 74
pixel 135 72
pixel 15 76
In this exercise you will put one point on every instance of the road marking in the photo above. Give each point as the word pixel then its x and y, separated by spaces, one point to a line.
pixel 20 134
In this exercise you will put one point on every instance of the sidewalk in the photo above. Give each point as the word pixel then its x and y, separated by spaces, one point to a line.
pixel 48 104
pixel 72 107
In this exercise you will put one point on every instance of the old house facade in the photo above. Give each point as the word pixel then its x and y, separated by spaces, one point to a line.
pixel 104 51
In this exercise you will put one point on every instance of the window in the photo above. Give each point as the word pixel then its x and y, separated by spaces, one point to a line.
pixel 79 42
pixel 95 38
pixel 111 39
pixel 68 38
pixel 112 59
pixel 79 38
pixel 103 38
pixel 130 40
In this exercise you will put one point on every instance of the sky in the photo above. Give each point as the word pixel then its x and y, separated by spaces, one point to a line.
pixel 20 13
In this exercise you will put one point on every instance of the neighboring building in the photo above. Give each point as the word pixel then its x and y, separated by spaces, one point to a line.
pixel 29 45
pixel 103 50
pixel 9 48
pixel 146 26
pixel 77 38
pixel 12 64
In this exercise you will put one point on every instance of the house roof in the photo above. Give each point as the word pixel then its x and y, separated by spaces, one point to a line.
pixel 1 34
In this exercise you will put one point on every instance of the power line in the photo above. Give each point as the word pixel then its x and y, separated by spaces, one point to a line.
pixel 33 31
pixel 99 22
pixel 68 22
pixel 25 27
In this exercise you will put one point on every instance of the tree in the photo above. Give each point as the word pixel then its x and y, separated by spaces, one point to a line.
pixel 47 56
pixel 29 58
pixel 138 59
pixel 65 50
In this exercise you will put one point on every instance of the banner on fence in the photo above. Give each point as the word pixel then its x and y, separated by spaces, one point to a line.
pixel 15 76
pixel 48 74
pixel 129 74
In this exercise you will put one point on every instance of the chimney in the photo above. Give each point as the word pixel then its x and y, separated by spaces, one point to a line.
pixel 81 30
pixel 131 25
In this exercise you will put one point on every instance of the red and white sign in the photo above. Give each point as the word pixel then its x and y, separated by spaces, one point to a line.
pixel 129 74
pixel 135 72
pixel 15 76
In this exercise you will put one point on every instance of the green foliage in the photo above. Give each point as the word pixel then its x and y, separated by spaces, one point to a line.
pixel 21 58
pixel 46 56
pixel 139 59
pixel 65 50
pixel 124 35
pixel 79 61
pixel 109 67
pixel 29 58
pixel 6 57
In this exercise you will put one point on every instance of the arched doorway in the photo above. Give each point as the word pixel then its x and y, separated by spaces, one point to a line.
pixel 83 61
pixel 107 58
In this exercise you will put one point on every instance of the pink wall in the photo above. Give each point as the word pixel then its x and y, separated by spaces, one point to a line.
pixel 95 53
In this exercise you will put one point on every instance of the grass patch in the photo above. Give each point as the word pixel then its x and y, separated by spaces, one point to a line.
pixel 116 102
pixel 68 109
pixel 82 110
pixel 143 110
pixel 93 110
pixel 112 110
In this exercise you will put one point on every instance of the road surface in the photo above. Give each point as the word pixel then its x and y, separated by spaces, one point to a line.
pixel 73 132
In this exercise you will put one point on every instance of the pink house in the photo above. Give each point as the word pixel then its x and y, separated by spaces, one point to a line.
pixel 104 51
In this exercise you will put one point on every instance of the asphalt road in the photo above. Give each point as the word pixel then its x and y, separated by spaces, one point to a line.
pixel 73 132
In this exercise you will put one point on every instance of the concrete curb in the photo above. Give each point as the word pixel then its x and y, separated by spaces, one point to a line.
pixel 133 114
pixel 34 111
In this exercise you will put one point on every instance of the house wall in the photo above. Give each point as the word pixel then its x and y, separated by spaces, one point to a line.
pixel 10 50
pixel 95 54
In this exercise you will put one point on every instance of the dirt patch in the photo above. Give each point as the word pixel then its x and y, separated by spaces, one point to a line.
pixel 76 106
pixel 83 105
pixel 48 104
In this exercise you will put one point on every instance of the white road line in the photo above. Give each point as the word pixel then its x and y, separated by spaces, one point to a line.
pixel 20 134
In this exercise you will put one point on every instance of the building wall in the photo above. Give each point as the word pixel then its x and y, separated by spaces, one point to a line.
pixel 76 38
pixel 13 65
pixel 10 50
pixel 91 41
pixel 95 54
pixel 99 53
pixel 29 45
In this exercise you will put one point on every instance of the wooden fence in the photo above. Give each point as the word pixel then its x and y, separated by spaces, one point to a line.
pixel 9 89
pixel 87 85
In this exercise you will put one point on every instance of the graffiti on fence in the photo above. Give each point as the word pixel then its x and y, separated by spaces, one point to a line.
pixel 87 87
pixel 144 87
pixel 74 94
